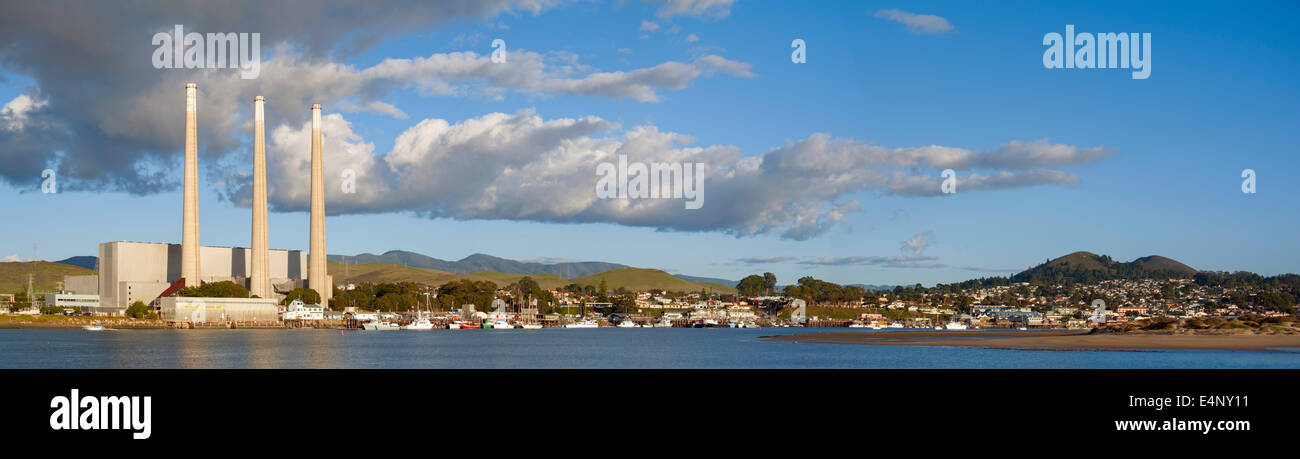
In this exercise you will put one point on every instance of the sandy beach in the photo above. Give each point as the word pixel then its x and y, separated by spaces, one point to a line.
pixel 1053 340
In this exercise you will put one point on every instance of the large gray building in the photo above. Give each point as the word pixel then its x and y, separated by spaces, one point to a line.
pixel 140 271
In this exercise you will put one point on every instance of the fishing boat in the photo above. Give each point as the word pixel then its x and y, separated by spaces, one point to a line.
pixel 422 323
pixel 502 324
pixel 588 323
pixel 626 324
pixel 664 323
pixel 93 327
pixel 470 326
pixel 956 326
pixel 377 325
pixel 453 326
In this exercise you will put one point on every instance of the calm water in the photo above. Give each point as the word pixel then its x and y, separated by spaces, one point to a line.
pixel 558 348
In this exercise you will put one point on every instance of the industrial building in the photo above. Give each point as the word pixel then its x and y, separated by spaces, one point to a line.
pixel 140 271
pixel 200 310
pixel 82 303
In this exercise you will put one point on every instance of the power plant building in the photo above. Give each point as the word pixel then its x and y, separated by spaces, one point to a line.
pixel 140 271
pixel 144 271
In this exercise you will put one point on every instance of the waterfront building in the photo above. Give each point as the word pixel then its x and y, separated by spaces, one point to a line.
pixel 297 310
pixel 204 310
pixel 83 303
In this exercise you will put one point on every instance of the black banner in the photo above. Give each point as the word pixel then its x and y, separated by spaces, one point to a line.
pixel 317 408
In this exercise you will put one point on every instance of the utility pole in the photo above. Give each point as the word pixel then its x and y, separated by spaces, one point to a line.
pixel 31 294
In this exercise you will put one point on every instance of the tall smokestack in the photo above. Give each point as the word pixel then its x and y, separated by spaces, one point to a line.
pixel 260 279
pixel 316 275
pixel 190 216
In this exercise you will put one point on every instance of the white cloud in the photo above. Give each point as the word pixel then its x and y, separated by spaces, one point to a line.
pixel 13 116
pixel 919 242
pixel 523 167
pixel 698 8
pixel 692 38
pixel 647 26
pixel 901 261
pixel 916 23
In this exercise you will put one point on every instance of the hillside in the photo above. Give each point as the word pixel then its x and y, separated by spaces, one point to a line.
pixel 13 275
pixel 1090 267
pixel 1159 263
pixel 638 279
pixel 479 263
pixel 387 272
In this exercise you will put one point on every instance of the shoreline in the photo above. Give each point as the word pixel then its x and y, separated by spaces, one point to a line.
pixel 1053 340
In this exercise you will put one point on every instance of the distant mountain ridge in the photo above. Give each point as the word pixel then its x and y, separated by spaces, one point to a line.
pixel 84 261
pixel 709 280
pixel 480 263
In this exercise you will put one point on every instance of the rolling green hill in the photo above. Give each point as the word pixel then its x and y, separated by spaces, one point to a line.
pixel 640 279
pixel 13 275
pixel 387 272
pixel 1090 267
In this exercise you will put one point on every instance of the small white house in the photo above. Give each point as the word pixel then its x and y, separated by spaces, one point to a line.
pixel 299 311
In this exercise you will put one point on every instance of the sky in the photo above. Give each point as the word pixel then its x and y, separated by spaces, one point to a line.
pixel 831 167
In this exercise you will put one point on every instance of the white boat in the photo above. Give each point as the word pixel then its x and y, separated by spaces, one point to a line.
pixel 626 324
pixel 501 324
pixel 453 326
pixel 419 324
pixel 956 326
pixel 1023 328
pixel 895 325
pixel 664 323
pixel 936 327
pixel 583 324
pixel 532 326
pixel 379 325
pixel 857 325
pixel 93 327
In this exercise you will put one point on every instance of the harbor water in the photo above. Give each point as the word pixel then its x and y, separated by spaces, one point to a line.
pixel 675 348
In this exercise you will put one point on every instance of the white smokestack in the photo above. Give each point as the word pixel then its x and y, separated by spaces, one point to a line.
pixel 317 277
pixel 259 275
pixel 190 215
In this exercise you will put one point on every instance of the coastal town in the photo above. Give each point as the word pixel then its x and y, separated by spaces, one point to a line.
pixel 1217 299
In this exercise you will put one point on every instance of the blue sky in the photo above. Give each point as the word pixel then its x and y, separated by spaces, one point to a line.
pixel 1221 98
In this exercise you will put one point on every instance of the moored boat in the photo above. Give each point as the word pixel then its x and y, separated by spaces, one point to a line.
pixel 376 325
pixel 419 324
